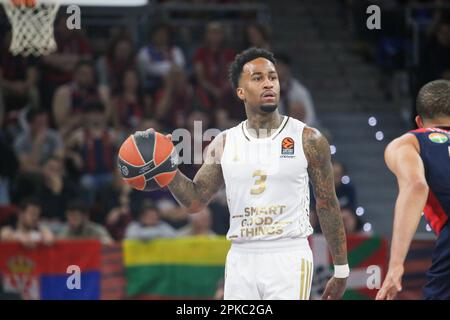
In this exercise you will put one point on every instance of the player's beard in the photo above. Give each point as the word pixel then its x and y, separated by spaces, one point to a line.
pixel 268 108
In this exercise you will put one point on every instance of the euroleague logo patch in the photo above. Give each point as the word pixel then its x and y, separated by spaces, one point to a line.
pixel 287 146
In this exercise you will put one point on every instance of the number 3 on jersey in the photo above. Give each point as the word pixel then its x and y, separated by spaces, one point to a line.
pixel 260 183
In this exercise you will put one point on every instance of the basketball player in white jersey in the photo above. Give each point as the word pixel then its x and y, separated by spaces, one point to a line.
pixel 265 164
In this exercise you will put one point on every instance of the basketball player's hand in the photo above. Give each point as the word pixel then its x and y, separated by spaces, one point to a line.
pixel 168 136
pixel 335 289
pixel 391 285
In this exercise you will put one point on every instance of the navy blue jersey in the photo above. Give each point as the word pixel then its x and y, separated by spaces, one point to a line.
pixel 435 153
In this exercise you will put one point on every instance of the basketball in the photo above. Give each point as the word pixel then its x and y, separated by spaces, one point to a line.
pixel 147 160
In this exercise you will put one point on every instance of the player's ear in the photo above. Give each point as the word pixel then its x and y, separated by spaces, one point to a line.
pixel 240 93
pixel 419 122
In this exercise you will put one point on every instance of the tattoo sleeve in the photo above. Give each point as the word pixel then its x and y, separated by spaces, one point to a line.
pixel 317 151
pixel 196 194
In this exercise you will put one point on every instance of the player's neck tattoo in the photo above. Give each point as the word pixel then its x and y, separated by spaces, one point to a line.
pixel 262 123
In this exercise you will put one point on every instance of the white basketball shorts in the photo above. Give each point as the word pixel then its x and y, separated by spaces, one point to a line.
pixel 269 270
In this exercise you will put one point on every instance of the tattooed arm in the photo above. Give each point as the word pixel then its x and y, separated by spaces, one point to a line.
pixel 317 151
pixel 195 195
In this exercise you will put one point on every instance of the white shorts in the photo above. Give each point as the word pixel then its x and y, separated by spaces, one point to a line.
pixel 269 270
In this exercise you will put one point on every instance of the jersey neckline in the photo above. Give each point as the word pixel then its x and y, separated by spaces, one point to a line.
pixel 431 129
pixel 271 137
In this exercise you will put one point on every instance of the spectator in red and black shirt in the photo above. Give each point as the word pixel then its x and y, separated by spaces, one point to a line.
pixel 175 100
pixel 18 84
pixel 93 149
pixel 211 62
pixel 114 209
pixel 130 104
pixel 71 99
pixel 58 67
pixel 113 66
pixel 55 190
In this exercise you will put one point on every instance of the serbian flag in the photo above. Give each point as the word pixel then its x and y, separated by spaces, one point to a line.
pixel 66 270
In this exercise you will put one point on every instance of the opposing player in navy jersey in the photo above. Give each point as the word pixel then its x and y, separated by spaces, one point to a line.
pixel 420 159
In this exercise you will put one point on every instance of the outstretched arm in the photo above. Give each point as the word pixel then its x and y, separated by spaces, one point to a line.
pixel 317 151
pixel 196 194
pixel 403 159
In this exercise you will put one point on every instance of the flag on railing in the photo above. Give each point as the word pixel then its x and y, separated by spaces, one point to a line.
pixel 175 268
pixel 367 258
pixel 192 267
pixel 66 270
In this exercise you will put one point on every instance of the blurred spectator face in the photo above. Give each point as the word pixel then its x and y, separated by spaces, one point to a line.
pixel 39 123
pixel 75 219
pixel 149 217
pixel 338 171
pixel 29 217
pixel 214 35
pixel 130 81
pixel 95 119
pixel 349 219
pixel 84 76
pixel 123 50
pixel 201 222
pixel 53 167
pixel 161 37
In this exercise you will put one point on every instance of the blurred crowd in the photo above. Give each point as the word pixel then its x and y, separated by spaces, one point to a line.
pixel 63 117
pixel 412 47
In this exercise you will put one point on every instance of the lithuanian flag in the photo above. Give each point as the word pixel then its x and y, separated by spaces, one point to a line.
pixel 180 268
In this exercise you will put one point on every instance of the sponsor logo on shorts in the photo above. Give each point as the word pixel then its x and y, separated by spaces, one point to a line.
pixel 438 137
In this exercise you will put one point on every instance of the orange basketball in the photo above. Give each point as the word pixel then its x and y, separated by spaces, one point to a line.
pixel 147 160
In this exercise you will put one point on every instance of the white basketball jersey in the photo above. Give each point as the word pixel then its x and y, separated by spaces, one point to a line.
pixel 266 182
